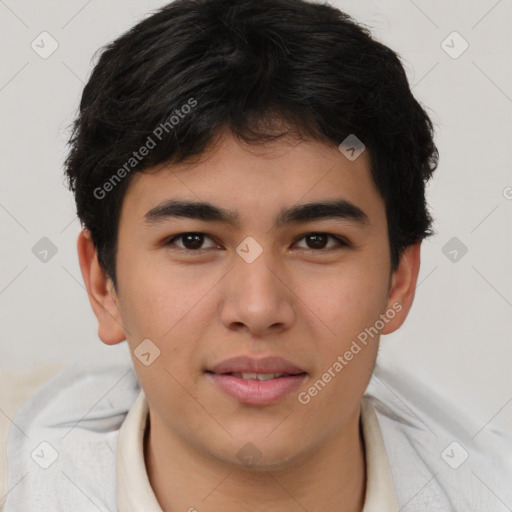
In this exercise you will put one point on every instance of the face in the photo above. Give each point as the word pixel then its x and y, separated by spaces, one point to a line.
pixel 281 293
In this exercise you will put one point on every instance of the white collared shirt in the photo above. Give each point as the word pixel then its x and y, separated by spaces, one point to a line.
pixel 134 492
pixel 76 445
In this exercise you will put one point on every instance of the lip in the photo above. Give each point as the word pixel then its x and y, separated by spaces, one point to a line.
pixel 246 364
pixel 256 392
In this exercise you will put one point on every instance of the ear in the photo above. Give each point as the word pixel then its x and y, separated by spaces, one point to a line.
pixel 102 295
pixel 403 287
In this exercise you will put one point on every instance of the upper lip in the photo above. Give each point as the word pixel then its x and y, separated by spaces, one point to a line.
pixel 246 364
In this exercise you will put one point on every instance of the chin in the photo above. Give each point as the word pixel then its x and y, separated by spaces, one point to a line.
pixel 259 455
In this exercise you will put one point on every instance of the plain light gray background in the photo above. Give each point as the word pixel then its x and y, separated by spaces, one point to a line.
pixel 456 341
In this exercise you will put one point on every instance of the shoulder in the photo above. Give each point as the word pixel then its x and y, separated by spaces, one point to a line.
pixel 72 418
pixel 432 451
pixel 16 387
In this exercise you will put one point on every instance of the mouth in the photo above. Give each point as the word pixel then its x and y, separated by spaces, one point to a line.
pixel 257 388
pixel 259 376
pixel 256 381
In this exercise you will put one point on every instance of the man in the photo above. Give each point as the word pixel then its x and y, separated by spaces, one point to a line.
pixel 250 177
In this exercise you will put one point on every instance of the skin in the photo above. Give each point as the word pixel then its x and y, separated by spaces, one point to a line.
pixel 200 309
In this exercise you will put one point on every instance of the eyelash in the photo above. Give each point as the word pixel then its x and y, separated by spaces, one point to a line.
pixel 342 243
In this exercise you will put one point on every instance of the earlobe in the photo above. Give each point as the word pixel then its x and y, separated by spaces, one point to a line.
pixel 102 296
pixel 403 287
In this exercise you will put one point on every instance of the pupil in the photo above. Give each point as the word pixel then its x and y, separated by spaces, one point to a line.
pixel 197 240
pixel 318 241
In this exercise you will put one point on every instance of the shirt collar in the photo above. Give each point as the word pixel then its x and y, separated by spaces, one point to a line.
pixel 134 492
pixel 380 490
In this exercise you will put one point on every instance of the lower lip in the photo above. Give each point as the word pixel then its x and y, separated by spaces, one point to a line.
pixel 257 392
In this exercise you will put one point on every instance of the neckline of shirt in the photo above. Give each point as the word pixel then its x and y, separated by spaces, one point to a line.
pixel 134 491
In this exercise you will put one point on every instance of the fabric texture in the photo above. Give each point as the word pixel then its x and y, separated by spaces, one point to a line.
pixel 135 493
pixel 63 454
pixel 16 387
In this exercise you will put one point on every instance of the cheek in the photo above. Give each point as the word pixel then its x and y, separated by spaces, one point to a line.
pixel 168 307
pixel 155 296
pixel 349 304
pixel 345 301
pixel 346 342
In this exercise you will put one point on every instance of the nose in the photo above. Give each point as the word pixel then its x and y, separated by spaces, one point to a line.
pixel 257 298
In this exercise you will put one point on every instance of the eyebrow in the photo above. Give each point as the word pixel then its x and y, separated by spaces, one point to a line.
pixel 333 209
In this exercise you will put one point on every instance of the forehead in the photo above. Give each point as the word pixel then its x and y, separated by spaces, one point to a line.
pixel 257 181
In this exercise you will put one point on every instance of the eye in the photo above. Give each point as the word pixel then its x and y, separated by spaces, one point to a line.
pixel 191 241
pixel 318 241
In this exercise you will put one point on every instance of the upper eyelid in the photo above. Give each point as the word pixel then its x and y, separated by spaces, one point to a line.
pixel 338 238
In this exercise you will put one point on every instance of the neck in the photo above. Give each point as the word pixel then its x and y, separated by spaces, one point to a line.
pixel 330 478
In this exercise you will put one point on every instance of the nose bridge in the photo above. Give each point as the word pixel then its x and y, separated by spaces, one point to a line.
pixel 256 277
pixel 256 295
